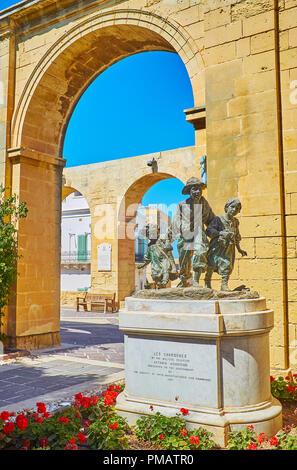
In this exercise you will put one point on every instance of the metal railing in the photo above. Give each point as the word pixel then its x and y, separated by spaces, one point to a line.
pixel 70 257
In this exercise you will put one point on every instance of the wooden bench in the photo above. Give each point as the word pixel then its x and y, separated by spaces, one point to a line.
pixel 82 301
pixel 107 301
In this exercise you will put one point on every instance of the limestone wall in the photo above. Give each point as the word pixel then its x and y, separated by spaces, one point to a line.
pixel 113 190
pixel 241 60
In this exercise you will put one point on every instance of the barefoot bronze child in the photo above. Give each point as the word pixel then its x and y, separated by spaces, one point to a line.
pixel 224 234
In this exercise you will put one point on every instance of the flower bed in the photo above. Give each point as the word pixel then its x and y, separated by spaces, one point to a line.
pixel 92 423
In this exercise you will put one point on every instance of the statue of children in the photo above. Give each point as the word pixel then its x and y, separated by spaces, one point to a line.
pixel 224 234
pixel 159 254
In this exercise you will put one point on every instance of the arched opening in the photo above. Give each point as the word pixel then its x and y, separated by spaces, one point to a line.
pixel 50 97
pixel 38 130
pixel 127 220
pixel 158 206
pixel 135 107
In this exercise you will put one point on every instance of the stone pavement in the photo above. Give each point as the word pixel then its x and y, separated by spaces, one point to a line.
pixel 91 356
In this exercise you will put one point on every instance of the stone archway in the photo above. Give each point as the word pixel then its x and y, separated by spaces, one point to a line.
pixel 126 222
pixel 248 107
pixel 127 181
pixel 44 102
pixel 61 76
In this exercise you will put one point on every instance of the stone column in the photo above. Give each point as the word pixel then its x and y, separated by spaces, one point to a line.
pixel 126 264
pixel 103 231
pixel 7 71
pixel 33 317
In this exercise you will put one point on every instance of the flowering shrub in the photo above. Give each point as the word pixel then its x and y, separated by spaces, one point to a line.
pixel 284 387
pixel 244 439
pixel 65 429
pixel 171 433
pixel 248 439
pixel 91 421
pixel 108 434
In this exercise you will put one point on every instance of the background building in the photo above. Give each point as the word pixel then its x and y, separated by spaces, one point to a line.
pixel 75 244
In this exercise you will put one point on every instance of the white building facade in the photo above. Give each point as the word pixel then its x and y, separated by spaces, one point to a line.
pixel 75 244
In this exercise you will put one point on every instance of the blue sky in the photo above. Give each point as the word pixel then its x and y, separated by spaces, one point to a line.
pixel 134 108
pixel 7 3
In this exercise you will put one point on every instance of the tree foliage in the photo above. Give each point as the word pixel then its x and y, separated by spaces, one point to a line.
pixel 10 212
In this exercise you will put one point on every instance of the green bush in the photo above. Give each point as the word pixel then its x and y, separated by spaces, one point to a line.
pixel 108 433
pixel 171 433
pixel 10 213
pixel 248 439
pixel 284 388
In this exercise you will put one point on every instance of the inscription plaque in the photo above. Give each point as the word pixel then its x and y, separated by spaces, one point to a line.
pixel 104 257
pixel 165 370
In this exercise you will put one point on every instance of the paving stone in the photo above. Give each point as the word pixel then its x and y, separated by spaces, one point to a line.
pixel 46 373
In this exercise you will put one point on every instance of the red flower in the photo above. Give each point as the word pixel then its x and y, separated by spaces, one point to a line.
pixel 46 414
pixel 94 400
pixel 85 402
pixel 8 428
pixel 71 445
pixel 295 376
pixel 251 427
pixel 78 397
pixel 86 423
pixel 252 446
pixel 161 436
pixel 272 378
pixel 63 419
pixel 108 401
pixel 81 438
pixel 4 415
pixel 288 377
pixel 114 426
pixel 41 408
pixel 184 411
pixel 26 444
pixel 273 441
pixel 21 422
pixel 261 438
pixel 118 388
pixel 290 389
pixel 43 442
pixel 151 407
pixel 184 432
pixel 195 440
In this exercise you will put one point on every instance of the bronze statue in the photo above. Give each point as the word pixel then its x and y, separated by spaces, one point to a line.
pixel 159 254
pixel 191 217
pixel 224 234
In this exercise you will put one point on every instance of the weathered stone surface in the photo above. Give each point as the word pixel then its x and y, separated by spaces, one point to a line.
pixel 224 383
pixel 51 51
pixel 195 293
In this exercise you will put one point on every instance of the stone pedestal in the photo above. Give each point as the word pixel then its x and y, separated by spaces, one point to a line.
pixel 209 356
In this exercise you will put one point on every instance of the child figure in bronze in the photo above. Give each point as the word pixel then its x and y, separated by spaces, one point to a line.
pixel 224 236
pixel 159 255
